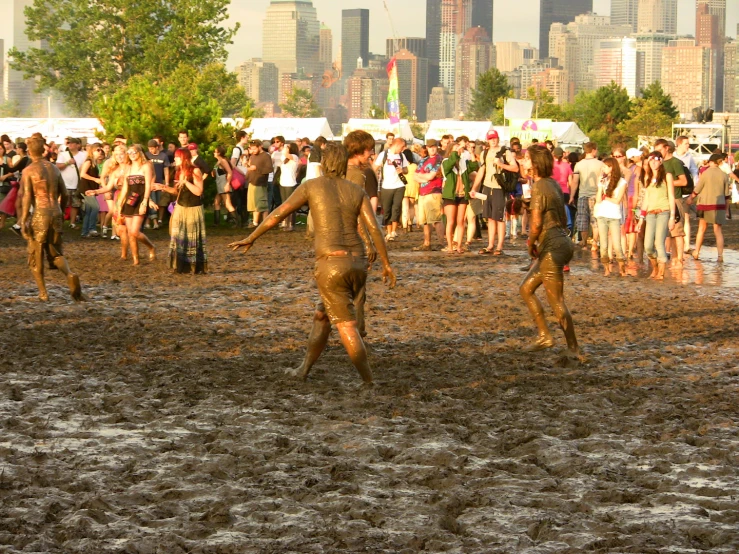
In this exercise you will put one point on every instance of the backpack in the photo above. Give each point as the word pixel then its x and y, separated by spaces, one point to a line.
pixel 507 180
pixel 690 186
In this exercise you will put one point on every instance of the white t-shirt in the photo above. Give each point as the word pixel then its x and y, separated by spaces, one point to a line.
pixel 70 174
pixel 289 172
pixel 390 178
pixel 607 207
pixel 236 155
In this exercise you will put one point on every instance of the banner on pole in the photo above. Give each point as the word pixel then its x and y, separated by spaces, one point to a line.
pixel 529 129
pixel 393 97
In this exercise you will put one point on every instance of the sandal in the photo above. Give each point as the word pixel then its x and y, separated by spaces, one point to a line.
pixel 485 251
pixel 498 253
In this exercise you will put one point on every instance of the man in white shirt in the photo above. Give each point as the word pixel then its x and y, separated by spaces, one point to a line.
pixel 69 163
pixel 392 166
pixel 238 197
pixel 273 189
pixel 682 153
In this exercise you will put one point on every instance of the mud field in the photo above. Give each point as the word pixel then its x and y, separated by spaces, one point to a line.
pixel 155 418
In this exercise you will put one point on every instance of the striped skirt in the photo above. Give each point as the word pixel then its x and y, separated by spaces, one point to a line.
pixel 187 243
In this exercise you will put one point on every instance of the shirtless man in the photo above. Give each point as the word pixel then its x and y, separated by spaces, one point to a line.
pixel 341 265
pixel 42 184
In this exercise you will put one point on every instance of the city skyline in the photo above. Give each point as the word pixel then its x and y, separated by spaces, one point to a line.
pixel 411 21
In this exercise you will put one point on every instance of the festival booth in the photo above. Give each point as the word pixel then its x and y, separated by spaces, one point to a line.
pixel 566 134
pixel 474 130
pixel 53 129
pixel 379 128
pixel 292 128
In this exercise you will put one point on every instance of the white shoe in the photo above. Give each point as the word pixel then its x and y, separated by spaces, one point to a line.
pixel 93 234
pixel 114 237
pixel 105 232
pixel 72 226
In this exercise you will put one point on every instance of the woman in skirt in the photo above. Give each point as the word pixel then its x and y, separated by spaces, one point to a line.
pixel 187 227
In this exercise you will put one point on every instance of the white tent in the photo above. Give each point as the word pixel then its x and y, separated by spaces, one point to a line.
pixel 292 128
pixel 473 130
pixel 54 129
pixel 379 128
pixel 567 132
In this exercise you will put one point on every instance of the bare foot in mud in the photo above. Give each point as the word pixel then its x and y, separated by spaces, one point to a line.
pixel 570 359
pixel 75 289
pixel 297 373
pixel 43 297
pixel 542 343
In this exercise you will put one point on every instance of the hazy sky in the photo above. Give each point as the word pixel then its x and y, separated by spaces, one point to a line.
pixel 409 19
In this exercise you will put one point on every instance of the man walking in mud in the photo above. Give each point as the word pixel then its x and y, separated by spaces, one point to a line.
pixel 341 262
pixel 42 184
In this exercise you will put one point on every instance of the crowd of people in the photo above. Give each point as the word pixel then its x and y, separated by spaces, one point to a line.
pixel 627 204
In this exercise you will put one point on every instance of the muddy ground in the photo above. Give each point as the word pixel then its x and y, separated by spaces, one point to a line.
pixel 156 418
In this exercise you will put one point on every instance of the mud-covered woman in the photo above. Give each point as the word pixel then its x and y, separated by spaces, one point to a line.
pixel 551 249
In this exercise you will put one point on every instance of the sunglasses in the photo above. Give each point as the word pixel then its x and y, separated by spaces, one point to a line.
pixel 618 156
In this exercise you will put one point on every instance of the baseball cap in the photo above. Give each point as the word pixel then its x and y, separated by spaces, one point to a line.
pixel 432 142
pixel 192 146
pixel 558 152
pixel 153 142
pixel 492 135
pixel 633 153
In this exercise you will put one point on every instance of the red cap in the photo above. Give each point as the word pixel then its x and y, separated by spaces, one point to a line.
pixel 192 146
pixel 492 135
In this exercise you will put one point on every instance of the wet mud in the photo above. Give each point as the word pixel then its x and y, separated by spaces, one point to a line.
pixel 156 418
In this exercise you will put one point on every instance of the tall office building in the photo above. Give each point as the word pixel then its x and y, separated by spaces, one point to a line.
pixel 731 76
pixel 440 106
pixel 354 40
pixel 325 47
pixel 261 80
pixel 650 46
pixel 291 37
pixel 413 82
pixel 475 56
pixel 366 88
pixel 625 12
pixel 558 11
pixel 455 20
pixel 686 74
pixel 657 16
pixel 433 39
pixel 617 61
pixel 414 45
pixel 510 55
pixel 710 30
pixel 482 15
pixel 556 82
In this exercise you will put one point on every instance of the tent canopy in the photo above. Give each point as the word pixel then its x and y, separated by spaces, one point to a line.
pixel 292 128
pixel 564 133
pixel 474 130
pixel 379 128
pixel 54 129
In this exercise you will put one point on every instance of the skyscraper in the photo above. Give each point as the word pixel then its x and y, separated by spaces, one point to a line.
pixel 414 45
pixel 455 20
pixel 291 36
pixel 259 79
pixel 475 56
pixel 650 46
pixel 710 30
pixel 433 39
pixel 482 16
pixel 413 74
pixel 616 60
pixel 685 74
pixel 657 16
pixel 354 40
pixel 558 11
pixel 625 12
pixel 325 47
pixel 731 76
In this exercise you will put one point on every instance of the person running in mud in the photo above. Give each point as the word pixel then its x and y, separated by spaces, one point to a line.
pixel 42 184
pixel 341 266
pixel 551 248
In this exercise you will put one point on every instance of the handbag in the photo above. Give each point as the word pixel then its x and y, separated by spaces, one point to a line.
pixel 238 179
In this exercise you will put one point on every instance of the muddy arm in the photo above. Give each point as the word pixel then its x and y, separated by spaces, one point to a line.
pixel 370 221
pixel 369 248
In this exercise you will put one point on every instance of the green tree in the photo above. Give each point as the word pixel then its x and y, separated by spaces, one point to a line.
pixel 93 48
pixel 544 106
pixel 376 112
pixel 599 113
pixel 646 118
pixel 663 100
pixel 249 112
pixel 10 108
pixel 492 86
pixel 300 103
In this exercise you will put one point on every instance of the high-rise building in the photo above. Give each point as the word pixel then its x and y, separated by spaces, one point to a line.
pixel 415 45
pixel 657 16
pixel 482 15
pixel 555 81
pixel 573 45
pixel 291 38
pixel 617 61
pixel 558 11
pixel 625 12
pixel 475 56
pixel 325 47
pixel 686 74
pixel 731 76
pixel 291 81
pixel 261 80
pixel 649 46
pixel 433 39
pixel 510 55
pixel 15 88
pixel 366 88
pixel 354 40
pixel 413 82
pixel 440 106
pixel 710 30
pixel 455 20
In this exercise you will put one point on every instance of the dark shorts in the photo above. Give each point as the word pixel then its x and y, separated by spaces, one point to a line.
pixel 392 204
pixel 494 206
pixel 458 201
pixel 341 282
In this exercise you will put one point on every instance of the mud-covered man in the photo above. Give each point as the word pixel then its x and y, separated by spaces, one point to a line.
pixel 42 184
pixel 341 265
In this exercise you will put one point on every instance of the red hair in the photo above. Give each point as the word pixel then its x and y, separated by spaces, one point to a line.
pixel 186 166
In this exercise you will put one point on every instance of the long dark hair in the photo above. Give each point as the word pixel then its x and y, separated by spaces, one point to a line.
pixel 661 175
pixel 615 175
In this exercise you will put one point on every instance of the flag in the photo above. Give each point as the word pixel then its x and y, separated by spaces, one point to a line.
pixel 393 99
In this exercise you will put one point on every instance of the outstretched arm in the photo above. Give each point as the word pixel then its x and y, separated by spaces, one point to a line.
pixel 292 204
pixel 25 203
pixel 368 219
